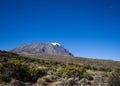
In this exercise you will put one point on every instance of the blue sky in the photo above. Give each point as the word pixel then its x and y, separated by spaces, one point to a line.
pixel 87 28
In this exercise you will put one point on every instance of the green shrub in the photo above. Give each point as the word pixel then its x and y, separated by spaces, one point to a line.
pixel 4 78
pixel 59 72
pixel 25 73
pixel 104 74
pixel 114 78
pixel 1 67
pixel 20 70
pixel 36 72
pixel 70 64
pixel 70 71
pixel 87 76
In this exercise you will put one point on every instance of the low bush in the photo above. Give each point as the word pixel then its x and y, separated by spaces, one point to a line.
pixel 19 70
pixel 36 72
pixel 70 71
pixel 5 78
pixel 87 76
pixel 114 78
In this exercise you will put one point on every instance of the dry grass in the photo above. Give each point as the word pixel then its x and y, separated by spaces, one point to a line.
pixel 78 60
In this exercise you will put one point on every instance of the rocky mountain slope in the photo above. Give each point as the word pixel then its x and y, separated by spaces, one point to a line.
pixel 43 48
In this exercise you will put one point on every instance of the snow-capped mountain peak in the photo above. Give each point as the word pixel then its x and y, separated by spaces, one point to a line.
pixel 42 48
pixel 55 43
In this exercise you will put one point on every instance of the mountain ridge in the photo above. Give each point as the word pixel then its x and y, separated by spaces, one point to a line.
pixel 42 48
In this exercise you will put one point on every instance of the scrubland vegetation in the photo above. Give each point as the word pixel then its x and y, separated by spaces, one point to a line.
pixel 40 71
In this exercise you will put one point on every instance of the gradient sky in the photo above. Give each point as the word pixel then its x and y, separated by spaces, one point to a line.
pixel 87 28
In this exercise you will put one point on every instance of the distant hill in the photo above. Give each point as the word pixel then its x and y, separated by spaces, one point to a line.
pixel 42 48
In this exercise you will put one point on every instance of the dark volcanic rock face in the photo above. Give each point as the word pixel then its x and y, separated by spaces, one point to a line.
pixel 42 48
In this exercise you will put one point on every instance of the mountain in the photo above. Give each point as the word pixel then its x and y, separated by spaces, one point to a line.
pixel 43 48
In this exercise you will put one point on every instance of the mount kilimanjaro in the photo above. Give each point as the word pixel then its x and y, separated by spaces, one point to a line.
pixel 43 48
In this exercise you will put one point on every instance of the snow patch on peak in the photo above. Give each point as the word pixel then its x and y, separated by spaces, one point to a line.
pixel 55 43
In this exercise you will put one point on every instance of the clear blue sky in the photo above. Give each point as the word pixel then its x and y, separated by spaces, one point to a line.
pixel 87 28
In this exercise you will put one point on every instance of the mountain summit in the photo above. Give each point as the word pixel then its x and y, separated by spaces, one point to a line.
pixel 43 48
pixel 55 43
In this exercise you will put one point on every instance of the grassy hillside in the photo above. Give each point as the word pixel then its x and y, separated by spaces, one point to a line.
pixel 48 70
pixel 105 64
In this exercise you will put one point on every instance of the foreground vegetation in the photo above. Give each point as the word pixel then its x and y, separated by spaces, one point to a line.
pixel 27 71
